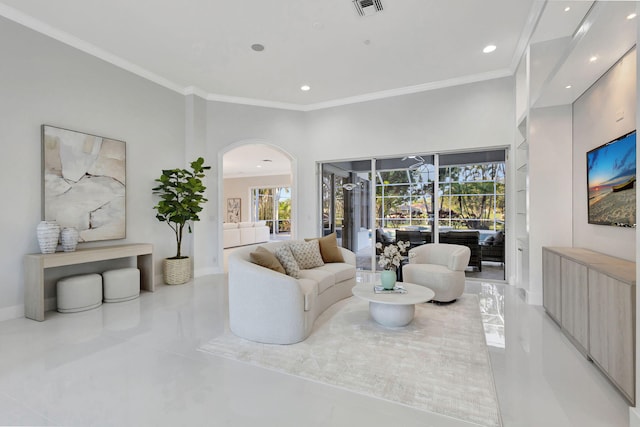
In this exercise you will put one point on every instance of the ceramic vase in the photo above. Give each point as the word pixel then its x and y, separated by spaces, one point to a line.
pixel 69 239
pixel 388 279
pixel 48 233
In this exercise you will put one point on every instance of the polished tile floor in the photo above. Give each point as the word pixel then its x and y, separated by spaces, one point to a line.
pixel 136 364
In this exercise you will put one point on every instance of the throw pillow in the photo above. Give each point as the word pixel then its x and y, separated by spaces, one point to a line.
pixel 264 258
pixel 329 248
pixel 307 254
pixel 284 255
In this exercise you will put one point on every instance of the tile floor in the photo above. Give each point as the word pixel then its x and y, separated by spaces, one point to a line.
pixel 136 364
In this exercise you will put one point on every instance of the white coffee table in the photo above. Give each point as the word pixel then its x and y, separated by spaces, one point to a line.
pixel 393 310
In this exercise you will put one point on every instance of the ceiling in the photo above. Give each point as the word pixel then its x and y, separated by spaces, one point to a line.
pixel 204 47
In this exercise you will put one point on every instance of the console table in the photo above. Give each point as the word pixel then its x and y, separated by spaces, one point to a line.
pixel 592 296
pixel 36 264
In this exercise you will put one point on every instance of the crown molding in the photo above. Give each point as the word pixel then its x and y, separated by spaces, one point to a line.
pixel 255 102
pixel 458 81
pixel 49 31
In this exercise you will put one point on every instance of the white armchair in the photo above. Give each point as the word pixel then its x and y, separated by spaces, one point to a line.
pixel 439 267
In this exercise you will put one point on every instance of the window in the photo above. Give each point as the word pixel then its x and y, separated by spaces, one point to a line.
pixel 273 205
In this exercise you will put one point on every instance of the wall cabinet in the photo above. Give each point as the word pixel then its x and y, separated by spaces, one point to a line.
pixel 592 297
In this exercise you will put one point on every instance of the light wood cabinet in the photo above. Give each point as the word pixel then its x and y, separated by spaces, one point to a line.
pixel 592 297
pixel 611 330
pixel 575 295
pixel 551 292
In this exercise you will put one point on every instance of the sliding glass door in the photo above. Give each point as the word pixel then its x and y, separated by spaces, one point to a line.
pixel 454 198
pixel 273 205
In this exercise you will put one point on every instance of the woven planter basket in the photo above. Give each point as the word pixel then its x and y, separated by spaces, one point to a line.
pixel 176 271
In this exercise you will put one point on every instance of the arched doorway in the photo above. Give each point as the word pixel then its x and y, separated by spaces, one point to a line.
pixel 258 185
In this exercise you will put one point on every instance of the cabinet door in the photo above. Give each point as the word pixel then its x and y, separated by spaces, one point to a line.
pixel 612 317
pixel 575 297
pixel 551 279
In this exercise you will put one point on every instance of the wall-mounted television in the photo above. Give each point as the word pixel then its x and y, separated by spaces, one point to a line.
pixel 611 181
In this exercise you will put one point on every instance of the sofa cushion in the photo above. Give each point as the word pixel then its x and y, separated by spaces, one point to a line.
pixel 284 255
pixel 325 279
pixel 264 258
pixel 309 289
pixel 307 254
pixel 229 225
pixel 341 271
pixel 245 225
pixel 260 223
pixel 329 248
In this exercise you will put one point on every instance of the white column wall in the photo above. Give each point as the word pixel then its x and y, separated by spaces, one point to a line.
pixel 550 188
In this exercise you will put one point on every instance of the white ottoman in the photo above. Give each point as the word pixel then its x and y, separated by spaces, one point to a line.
pixel 79 293
pixel 121 285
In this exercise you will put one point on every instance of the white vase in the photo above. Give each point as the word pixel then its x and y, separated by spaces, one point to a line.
pixel 69 239
pixel 48 233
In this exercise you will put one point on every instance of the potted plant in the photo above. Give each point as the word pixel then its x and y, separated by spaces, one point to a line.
pixel 181 194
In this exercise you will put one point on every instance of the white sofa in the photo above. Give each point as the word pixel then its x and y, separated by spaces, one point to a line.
pixel 244 233
pixel 271 307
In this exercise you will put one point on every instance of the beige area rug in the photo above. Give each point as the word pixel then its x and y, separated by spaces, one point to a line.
pixel 438 363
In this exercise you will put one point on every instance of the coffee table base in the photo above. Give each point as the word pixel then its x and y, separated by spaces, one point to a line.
pixel 392 315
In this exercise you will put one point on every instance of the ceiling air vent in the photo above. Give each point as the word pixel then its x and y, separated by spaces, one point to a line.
pixel 368 7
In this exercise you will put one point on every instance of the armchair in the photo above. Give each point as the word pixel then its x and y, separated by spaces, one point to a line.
pixel 439 267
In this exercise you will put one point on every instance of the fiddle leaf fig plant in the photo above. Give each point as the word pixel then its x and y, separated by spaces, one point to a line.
pixel 181 194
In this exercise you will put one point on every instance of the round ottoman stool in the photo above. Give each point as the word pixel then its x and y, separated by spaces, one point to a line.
pixel 121 285
pixel 79 293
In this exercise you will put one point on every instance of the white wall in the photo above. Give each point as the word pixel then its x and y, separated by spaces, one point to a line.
pixel 459 118
pixel 240 188
pixel 43 81
pixel 595 122
pixel 550 188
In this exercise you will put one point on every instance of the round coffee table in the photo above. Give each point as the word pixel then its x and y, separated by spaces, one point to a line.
pixel 393 310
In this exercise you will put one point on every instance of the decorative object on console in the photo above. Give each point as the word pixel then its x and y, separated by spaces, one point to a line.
pixel 181 194
pixel 69 239
pixel 48 233
pixel 611 179
pixel 233 209
pixel 84 183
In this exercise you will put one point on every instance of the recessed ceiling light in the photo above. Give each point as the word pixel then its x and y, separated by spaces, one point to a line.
pixel 567 87
pixel 567 9
pixel 257 47
pixel 631 16
pixel 258 166
pixel 490 48
pixel 305 88
pixel 593 59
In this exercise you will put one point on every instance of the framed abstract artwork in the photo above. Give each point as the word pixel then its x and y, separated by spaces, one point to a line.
pixel 233 210
pixel 84 183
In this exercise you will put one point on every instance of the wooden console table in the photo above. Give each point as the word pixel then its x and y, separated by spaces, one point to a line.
pixel 35 265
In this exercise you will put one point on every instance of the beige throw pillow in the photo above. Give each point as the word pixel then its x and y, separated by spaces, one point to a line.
pixel 284 255
pixel 307 254
pixel 264 258
pixel 329 248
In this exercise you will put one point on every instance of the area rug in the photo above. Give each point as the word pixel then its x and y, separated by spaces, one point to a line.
pixel 438 363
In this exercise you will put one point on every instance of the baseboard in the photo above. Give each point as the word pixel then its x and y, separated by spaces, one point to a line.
pixel 634 417
pixel 534 298
pixel 207 271
pixel 13 312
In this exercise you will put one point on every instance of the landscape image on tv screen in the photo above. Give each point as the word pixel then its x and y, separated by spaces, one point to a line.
pixel 611 180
